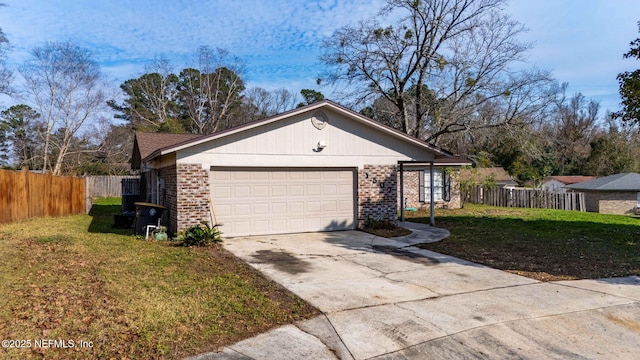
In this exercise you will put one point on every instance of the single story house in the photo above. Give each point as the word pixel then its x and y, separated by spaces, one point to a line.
pixel 558 184
pixel 616 194
pixel 320 167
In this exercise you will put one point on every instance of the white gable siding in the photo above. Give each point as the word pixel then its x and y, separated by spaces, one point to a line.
pixel 292 142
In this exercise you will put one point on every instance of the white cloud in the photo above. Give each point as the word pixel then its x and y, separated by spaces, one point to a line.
pixel 582 41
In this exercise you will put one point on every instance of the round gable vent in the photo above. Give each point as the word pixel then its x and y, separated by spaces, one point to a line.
pixel 319 120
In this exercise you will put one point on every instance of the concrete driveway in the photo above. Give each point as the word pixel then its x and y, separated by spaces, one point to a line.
pixel 386 299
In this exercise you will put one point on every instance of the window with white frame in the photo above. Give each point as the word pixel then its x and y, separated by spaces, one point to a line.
pixel 441 186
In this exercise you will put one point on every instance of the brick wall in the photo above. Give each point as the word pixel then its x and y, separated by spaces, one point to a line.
pixel 611 202
pixel 412 187
pixel 192 196
pixel 377 193
pixel 168 197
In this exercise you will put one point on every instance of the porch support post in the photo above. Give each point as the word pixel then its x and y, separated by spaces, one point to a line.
pixel 402 205
pixel 432 220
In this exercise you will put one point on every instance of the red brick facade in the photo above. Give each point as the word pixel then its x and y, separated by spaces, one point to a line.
pixel 377 193
pixel 412 191
pixel 187 194
pixel 168 197
pixel 192 197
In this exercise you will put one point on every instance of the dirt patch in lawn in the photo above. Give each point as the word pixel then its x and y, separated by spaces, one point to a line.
pixel 384 228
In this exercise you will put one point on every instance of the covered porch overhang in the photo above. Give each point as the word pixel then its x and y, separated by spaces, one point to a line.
pixel 401 164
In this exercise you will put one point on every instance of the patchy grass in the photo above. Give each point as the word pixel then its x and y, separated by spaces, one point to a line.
pixel 546 245
pixel 75 278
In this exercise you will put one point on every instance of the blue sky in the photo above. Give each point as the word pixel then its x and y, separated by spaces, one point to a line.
pixel 580 41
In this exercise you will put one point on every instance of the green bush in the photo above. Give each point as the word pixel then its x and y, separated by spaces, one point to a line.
pixel 200 235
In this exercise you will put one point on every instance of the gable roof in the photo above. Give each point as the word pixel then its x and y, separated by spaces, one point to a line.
pixel 144 144
pixel 617 182
pixel 568 180
pixel 287 114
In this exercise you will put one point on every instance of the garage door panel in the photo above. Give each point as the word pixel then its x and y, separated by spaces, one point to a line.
pixel 261 190
pixel 313 206
pixel 296 224
pixel 242 191
pixel 296 190
pixel 241 175
pixel 261 209
pixel 234 227
pixel 260 176
pixel 345 189
pixel 314 224
pixel 329 205
pixel 223 210
pixel 329 189
pixel 278 190
pixel 279 208
pixel 255 201
pixel 221 191
pixel 241 210
pixel 279 225
pixel 313 190
pixel 329 175
pixel 296 207
pixel 260 226
pixel 278 175
pixel 345 205
pixel 312 175
pixel 221 175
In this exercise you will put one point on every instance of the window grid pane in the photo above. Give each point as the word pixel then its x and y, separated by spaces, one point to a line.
pixel 437 185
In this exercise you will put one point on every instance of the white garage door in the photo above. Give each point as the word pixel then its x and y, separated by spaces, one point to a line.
pixel 250 201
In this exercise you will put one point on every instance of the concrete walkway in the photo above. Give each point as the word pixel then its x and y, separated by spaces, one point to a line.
pixel 385 299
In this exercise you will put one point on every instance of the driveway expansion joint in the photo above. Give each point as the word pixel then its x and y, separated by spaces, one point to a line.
pixel 363 301
pixel 559 283
pixel 492 324
pixel 323 341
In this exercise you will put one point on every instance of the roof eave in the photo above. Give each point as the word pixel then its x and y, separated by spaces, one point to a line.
pixel 348 112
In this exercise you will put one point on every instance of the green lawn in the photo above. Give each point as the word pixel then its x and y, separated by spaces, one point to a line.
pixel 542 244
pixel 75 278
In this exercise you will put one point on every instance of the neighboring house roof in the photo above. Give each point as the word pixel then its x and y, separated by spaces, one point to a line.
pixel 568 180
pixel 498 174
pixel 451 161
pixel 318 105
pixel 617 182
pixel 144 144
pixel 440 161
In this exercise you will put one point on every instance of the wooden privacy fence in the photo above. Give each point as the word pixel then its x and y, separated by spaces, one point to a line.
pixel 106 186
pixel 526 198
pixel 24 194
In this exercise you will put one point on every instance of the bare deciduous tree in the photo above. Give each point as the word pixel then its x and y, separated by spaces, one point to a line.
pixel 64 84
pixel 209 95
pixel 151 99
pixel 6 75
pixel 262 103
pixel 438 65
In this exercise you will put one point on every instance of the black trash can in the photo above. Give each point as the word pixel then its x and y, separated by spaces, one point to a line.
pixel 147 214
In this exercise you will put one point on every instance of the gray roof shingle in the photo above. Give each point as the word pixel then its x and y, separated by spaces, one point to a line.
pixel 617 182
pixel 145 144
